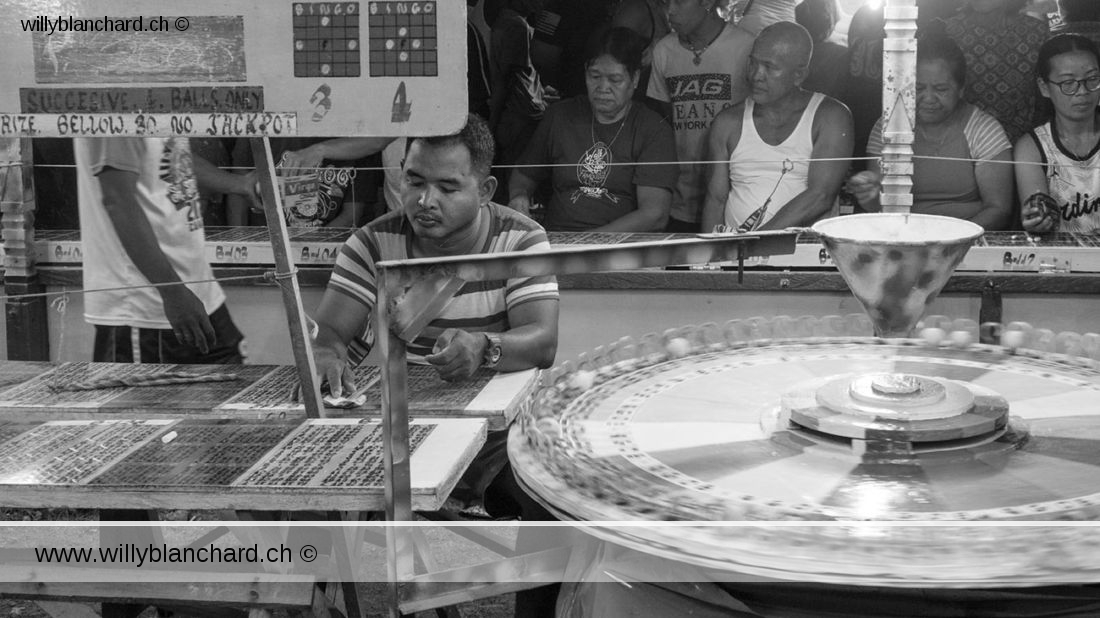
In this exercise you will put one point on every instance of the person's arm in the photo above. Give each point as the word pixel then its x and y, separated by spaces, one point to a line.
pixel 651 215
pixel 339 319
pixel 336 149
pixel 1031 179
pixel 832 140
pixel 184 311
pixel 722 139
pixel 657 96
pixel 866 186
pixel 520 189
pixel 213 178
pixel 524 181
pixel 532 341
pixel 238 208
pixel 995 187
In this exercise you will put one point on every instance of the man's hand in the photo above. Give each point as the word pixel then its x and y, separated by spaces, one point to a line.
pixel 187 315
pixel 457 354
pixel 253 192
pixel 305 161
pixel 332 367
pixel 521 204
pixel 865 187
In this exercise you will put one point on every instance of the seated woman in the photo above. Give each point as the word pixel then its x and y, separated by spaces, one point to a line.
pixel 603 153
pixel 1058 163
pixel 961 153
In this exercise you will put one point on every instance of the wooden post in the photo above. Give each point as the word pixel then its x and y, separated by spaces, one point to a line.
pixel 899 64
pixel 27 331
pixel 287 278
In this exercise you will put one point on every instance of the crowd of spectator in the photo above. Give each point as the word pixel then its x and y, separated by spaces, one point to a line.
pixel 650 115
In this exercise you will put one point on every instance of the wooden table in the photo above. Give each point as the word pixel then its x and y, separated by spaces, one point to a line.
pixel 242 444
pixel 32 391
pixel 240 464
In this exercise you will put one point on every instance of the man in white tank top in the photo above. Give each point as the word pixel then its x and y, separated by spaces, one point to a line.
pixel 779 143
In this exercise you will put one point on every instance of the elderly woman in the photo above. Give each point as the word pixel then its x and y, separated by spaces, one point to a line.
pixel 1058 163
pixel 962 154
pixel 601 153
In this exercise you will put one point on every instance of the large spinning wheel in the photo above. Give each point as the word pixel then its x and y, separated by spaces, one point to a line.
pixel 811 419
pixel 711 429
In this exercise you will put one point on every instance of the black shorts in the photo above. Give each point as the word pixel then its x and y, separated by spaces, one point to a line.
pixel 115 344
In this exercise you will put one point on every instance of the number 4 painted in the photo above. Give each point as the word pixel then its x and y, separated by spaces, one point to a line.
pixel 402 108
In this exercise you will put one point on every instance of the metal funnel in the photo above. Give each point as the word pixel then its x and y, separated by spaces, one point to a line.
pixel 896 263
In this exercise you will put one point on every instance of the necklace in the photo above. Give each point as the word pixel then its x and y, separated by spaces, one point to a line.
pixel 622 123
pixel 698 52
pixel 936 145
pixel 1086 140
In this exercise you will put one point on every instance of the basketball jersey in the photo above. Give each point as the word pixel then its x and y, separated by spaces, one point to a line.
pixel 1073 182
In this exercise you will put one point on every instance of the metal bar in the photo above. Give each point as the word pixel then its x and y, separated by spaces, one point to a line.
pixel 485 580
pixel 400 560
pixel 899 62
pixel 287 278
pixel 573 260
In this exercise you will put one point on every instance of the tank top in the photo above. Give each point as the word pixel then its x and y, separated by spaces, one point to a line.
pixel 1073 182
pixel 758 169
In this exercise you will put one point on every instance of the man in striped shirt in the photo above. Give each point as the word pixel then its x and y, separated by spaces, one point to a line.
pixel 446 210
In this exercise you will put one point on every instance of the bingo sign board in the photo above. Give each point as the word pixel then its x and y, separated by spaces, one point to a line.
pixel 232 68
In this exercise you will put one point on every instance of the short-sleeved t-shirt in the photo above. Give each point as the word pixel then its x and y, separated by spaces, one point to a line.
pixel 939 181
pixel 168 195
pixel 600 185
pixel 697 93
pixel 480 306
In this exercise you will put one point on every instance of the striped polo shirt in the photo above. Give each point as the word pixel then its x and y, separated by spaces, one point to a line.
pixel 479 306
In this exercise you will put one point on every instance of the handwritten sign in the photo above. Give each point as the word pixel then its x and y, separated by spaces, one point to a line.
pixel 232 68
pixel 141 100
pixel 151 125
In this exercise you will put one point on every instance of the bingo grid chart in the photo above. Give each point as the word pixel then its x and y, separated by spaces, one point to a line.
pixel 326 39
pixel 403 39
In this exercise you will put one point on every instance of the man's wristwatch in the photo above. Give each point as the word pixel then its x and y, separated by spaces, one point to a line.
pixel 493 351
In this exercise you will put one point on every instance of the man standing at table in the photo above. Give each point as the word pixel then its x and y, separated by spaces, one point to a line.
pixel 698 70
pixel 141 224
pixel 446 211
pixel 777 159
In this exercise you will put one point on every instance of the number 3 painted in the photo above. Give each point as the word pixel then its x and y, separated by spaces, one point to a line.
pixel 321 102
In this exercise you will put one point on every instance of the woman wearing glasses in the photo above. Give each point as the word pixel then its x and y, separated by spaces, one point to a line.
pixel 1058 163
pixel 963 160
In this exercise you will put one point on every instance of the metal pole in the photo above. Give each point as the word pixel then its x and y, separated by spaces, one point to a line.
pixel 899 69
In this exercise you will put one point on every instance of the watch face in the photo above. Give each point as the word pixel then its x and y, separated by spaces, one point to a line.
pixel 494 351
